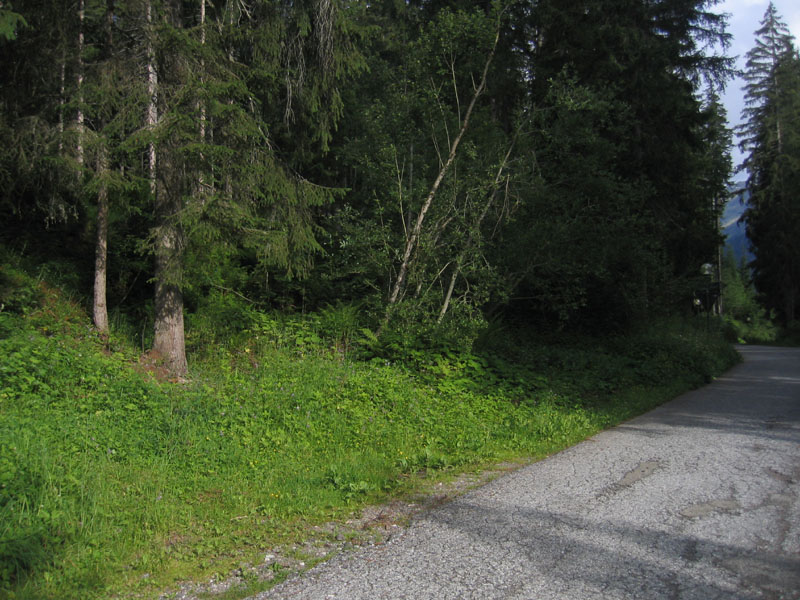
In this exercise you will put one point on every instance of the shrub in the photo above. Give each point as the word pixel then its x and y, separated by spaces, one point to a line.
pixel 218 318
pixel 18 292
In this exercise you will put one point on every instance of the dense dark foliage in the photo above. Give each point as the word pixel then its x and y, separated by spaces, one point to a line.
pixel 435 164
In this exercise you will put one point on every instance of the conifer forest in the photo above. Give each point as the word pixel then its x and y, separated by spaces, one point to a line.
pixel 455 229
pixel 435 162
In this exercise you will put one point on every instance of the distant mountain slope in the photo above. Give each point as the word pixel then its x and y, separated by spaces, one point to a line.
pixel 734 231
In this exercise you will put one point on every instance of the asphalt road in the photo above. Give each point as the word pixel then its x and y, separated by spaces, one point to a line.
pixel 697 499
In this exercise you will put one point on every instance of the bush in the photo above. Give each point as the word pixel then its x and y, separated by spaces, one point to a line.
pixel 340 325
pixel 790 335
pixel 218 318
pixel 757 330
pixel 18 292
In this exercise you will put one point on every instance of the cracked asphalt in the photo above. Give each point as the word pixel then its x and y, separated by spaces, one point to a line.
pixel 698 499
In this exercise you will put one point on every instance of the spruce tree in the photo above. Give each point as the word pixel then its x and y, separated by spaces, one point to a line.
pixel 38 109
pixel 627 142
pixel 771 137
pixel 773 40
pixel 227 86
pixel 10 21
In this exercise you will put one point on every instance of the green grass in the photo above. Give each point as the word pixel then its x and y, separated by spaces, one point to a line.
pixel 113 484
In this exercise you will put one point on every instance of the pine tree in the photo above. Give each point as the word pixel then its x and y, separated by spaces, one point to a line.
pixel 771 136
pixel 219 187
pixel 772 42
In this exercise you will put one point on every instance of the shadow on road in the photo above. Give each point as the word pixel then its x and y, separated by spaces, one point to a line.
pixel 748 400
pixel 625 560
pixel 758 399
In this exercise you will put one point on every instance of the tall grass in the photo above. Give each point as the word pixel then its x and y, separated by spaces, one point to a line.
pixel 112 482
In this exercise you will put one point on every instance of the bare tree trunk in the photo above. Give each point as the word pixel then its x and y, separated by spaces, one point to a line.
pixel 450 288
pixel 99 308
pixel 151 119
pixel 200 103
pixel 99 304
pixel 202 43
pixel 718 203
pixel 790 300
pixel 408 216
pixel 168 341
pixel 412 240
pixel 79 117
pixel 62 101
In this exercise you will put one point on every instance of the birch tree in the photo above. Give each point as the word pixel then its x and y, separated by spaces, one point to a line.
pixel 413 236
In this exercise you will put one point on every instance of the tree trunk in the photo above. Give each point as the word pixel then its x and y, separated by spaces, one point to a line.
pixel 790 301
pixel 62 101
pixel 449 295
pixel 79 117
pixel 168 341
pixel 99 304
pixel 99 308
pixel 201 105
pixel 412 240
pixel 151 119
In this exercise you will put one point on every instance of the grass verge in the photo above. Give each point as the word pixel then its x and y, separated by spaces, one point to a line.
pixel 113 484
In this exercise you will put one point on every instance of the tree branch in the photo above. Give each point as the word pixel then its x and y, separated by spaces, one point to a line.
pixel 411 243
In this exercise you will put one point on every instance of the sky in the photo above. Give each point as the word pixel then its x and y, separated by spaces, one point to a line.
pixel 744 17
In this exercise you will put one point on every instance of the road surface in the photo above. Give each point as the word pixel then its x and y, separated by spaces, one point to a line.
pixel 698 499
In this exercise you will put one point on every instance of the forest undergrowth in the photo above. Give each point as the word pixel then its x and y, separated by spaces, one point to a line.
pixel 117 482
